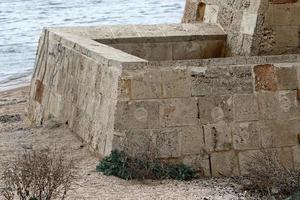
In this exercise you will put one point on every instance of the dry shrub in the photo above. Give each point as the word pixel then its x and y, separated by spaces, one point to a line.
pixel 38 175
pixel 269 175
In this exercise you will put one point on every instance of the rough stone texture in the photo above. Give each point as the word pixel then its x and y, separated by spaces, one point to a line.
pixel 167 86
pixel 254 27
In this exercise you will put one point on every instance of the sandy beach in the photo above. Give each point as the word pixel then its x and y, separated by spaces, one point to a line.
pixel 17 136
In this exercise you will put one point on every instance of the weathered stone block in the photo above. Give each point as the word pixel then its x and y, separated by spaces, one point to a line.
pixel 224 164
pixel 168 141
pixel 39 91
pixel 246 135
pixel 222 80
pixel 137 142
pixel 248 23
pixel 296 14
pixel 245 157
pixel 286 36
pixel 192 140
pixel 144 85
pixel 158 51
pixel 176 83
pixel 283 14
pixel 198 162
pixel 268 103
pixel 296 156
pixel 287 78
pixel 281 133
pixel 218 136
pixel 245 107
pixel 288 104
pixel 213 109
pixel 265 78
pixel 179 112
pixel 137 114
pixel 284 155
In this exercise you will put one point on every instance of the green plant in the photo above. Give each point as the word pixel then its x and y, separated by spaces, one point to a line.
pixel 116 164
pixel 121 165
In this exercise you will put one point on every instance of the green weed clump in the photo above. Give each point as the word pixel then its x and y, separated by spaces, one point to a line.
pixel 121 165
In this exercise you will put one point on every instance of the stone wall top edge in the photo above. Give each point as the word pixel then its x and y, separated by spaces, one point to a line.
pixel 185 31
pixel 282 60
pixel 93 49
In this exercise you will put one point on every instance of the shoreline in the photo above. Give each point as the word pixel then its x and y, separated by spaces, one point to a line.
pixel 15 88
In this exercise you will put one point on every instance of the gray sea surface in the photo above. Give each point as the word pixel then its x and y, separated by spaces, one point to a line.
pixel 21 22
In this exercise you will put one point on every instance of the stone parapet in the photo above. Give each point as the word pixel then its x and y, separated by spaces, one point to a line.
pixel 171 85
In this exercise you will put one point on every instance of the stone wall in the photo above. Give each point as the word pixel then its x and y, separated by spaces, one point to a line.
pixel 212 116
pixel 76 78
pixel 75 81
pixel 209 113
pixel 280 27
pixel 254 27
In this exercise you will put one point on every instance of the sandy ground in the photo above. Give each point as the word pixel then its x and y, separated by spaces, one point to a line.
pixel 15 136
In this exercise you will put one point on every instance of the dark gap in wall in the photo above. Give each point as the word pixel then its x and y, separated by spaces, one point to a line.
pixel 210 168
pixel 200 12
pixel 204 139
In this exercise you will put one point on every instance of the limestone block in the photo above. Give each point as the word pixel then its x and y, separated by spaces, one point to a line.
pixel 222 80
pixel 218 137
pixel 295 14
pixel 287 77
pixel 212 49
pixel 298 76
pixel 158 51
pixel 109 81
pixel 197 49
pixel 174 30
pixel 286 36
pixel 211 13
pixel 186 50
pixel 98 142
pixel 192 140
pixel 98 78
pixel 199 163
pixel 245 135
pixel 265 77
pixel 296 156
pixel 245 107
pixel 191 11
pixel 137 114
pixel 175 83
pixel 245 158
pixel 283 14
pixel 288 104
pixel 179 112
pixel 224 164
pixel 268 103
pixel 284 155
pixel 124 31
pixel 168 141
pixel 281 133
pixel 144 85
pixel 248 23
pixel 137 143
pixel 148 31
pixel 213 109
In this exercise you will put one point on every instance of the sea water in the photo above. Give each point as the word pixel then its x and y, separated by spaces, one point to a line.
pixel 21 22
